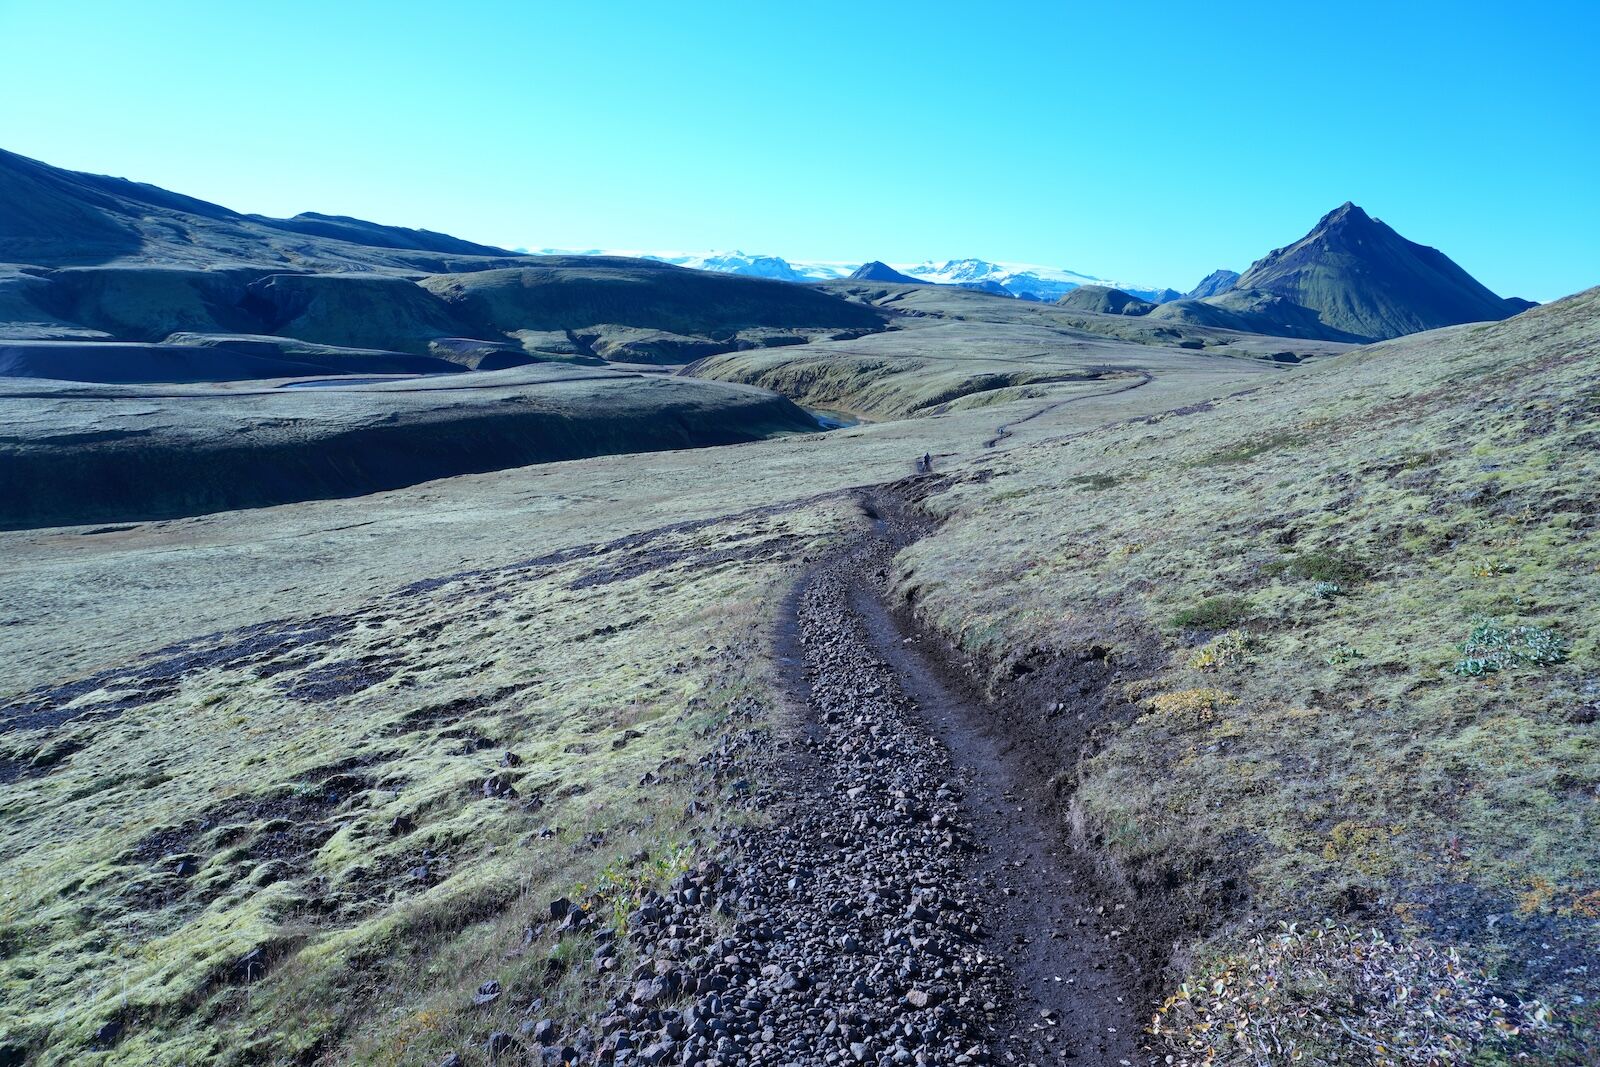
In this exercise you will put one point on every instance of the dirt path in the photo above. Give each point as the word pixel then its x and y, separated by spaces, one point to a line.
pixel 1067 992
pixel 1004 430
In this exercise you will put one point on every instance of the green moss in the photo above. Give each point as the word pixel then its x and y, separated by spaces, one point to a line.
pixel 1213 613
pixel 287 807
pixel 1322 565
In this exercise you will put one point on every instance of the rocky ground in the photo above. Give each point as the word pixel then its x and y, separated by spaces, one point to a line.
pixel 888 902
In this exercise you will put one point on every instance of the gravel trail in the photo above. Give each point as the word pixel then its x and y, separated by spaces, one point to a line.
pixel 901 895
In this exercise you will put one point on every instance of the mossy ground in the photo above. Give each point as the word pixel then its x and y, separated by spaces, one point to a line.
pixel 316 791
pixel 1433 480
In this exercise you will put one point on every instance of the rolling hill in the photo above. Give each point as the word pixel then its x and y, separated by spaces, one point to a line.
pixel 879 271
pixel 87 259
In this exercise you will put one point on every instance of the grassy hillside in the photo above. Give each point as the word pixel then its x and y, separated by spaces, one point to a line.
pixel 919 303
pixel 951 366
pixel 1351 638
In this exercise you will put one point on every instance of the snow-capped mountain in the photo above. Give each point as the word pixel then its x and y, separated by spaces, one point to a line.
pixel 1026 280
pixel 1019 279
pixel 759 266
pixel 728 263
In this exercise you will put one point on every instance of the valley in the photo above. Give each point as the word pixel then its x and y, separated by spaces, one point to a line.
pixel 414 652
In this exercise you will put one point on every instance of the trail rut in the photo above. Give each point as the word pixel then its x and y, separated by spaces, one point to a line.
pixel 1070 992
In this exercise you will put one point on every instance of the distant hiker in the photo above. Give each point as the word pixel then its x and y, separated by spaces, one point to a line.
pixel 927 463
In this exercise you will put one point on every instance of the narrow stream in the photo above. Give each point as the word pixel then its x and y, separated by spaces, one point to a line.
pixel 329 383
pixel 829 419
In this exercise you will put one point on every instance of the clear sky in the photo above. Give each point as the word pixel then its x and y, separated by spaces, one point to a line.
pixel 1149 142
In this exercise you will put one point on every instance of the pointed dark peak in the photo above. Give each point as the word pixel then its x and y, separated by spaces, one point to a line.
pixel 1364 279
pixel 1347 215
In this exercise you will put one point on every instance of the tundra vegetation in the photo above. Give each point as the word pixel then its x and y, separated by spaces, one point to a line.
pixel 312 801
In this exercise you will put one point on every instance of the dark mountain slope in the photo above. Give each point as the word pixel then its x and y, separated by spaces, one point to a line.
pixel 52 217
pixel 628 293
pixel 374 235
pixel 878 271
pixel 1363 278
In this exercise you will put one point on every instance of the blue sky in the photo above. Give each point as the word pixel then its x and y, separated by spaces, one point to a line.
pixel 1149 142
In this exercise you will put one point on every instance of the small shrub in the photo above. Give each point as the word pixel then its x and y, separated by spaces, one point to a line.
pixel 1322 565
pixel 1230 649
pixel 1327 590
pixel 1213 613
pixel 1491 647
pixel 1199 705
pixel 1343 654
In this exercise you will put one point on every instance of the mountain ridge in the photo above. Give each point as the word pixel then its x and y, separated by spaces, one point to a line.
pixel 53 217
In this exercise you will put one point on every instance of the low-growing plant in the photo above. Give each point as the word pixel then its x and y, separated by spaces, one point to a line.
pixel 1094 481
pixel 1343 654
pixel 619 888
pixel 1200 705
pixel 1327 590
pixel 1333 565
pixel 1492 647
pixel 1213 613
pixel 1246 451
pixel 1227 650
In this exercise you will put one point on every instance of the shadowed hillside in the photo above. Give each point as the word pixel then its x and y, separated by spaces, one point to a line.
pixel 878 271
pixel 83 454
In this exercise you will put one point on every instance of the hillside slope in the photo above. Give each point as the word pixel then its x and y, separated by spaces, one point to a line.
pixel 1218 281
pixel 51 217
pixel 1338 642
